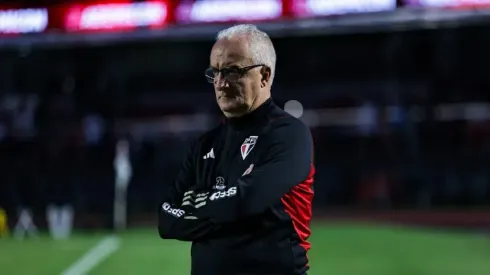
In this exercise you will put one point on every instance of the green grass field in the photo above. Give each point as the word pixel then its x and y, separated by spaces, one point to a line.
pixel 337 250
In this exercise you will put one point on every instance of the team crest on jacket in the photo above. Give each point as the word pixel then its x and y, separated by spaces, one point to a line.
pixel 248 145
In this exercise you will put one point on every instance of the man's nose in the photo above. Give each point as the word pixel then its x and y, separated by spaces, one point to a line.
pixel 220 81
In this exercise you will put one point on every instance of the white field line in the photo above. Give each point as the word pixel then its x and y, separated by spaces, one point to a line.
pixel 94 256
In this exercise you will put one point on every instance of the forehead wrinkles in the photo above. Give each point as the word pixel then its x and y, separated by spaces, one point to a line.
pixel 228 52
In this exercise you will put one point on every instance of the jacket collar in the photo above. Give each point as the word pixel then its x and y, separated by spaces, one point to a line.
pixel 258 115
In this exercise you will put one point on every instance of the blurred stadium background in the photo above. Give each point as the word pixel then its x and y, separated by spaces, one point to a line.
pixel 397 95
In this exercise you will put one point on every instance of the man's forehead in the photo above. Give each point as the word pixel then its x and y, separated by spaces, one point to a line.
pixel 230 51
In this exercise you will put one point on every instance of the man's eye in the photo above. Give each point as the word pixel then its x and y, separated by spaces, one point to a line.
pixel 231 71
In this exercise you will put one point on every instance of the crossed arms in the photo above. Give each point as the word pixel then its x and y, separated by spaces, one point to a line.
pixel 285 163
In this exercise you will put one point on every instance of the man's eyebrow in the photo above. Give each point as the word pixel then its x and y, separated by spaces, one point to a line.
pixel 229 65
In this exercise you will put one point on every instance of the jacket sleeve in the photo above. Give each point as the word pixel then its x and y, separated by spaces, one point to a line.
pixel 173 221
pixel 185 178
pixel 286 162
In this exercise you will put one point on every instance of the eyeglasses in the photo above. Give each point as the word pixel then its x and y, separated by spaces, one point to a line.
pixel 231 74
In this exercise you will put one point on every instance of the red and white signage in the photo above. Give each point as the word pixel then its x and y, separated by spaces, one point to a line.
pixel 116 16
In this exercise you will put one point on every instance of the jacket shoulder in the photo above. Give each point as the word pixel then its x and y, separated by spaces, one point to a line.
pixel 283 121
pixel 208 136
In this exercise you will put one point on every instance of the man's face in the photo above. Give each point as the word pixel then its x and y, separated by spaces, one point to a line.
pixel 235 97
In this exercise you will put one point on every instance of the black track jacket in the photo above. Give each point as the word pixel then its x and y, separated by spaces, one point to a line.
pixel 243 196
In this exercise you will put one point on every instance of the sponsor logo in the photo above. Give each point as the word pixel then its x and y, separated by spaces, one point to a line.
pixel 220 183
pixel 231 192
pixel 176 212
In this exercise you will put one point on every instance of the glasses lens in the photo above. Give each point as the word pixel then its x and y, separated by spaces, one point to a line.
pixel 231 75
pixel 209 75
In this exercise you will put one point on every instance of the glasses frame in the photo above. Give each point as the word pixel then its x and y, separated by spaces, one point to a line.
pixel 241 72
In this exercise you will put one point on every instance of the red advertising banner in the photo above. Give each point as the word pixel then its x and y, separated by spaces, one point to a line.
pixel 116 16
pixel 123 15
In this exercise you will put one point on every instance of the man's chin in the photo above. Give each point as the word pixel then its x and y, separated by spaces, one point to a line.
pixel 231 106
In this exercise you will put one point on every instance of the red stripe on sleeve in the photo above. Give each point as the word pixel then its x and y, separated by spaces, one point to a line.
pixel 297 203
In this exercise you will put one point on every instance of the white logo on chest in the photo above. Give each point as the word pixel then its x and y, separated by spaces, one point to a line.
pixel 248 145
pixel 220 183
pixel 209 155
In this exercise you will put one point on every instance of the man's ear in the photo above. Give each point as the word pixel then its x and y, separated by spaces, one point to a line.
pixel 266 75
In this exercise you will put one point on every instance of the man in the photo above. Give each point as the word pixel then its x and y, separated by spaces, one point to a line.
pixel 243 196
